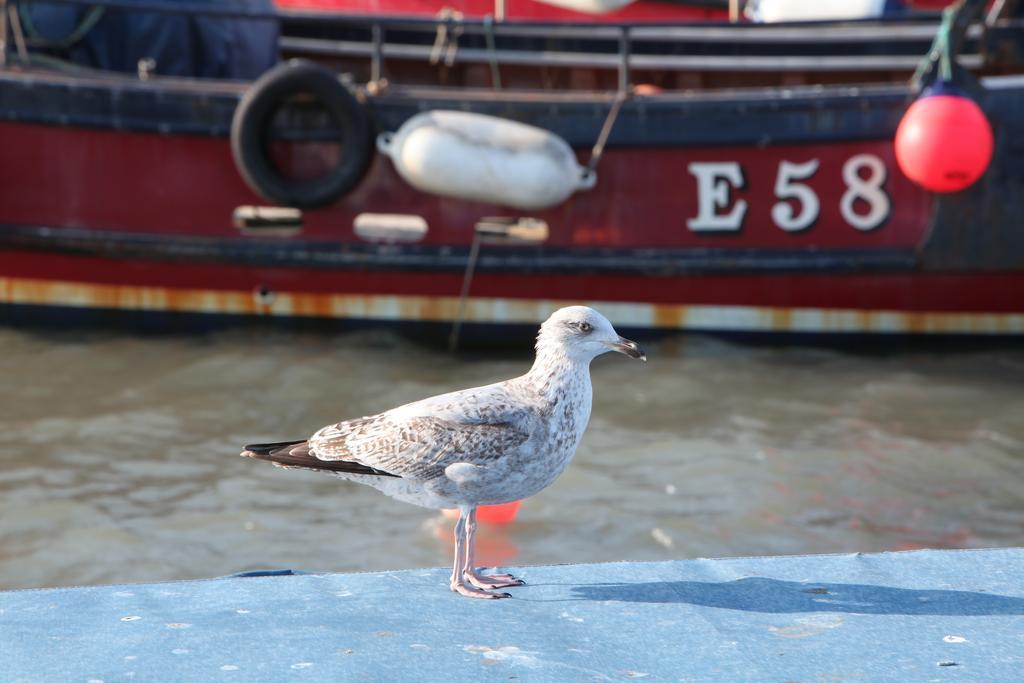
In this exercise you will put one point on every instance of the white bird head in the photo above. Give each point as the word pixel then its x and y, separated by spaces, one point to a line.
pixel 581 333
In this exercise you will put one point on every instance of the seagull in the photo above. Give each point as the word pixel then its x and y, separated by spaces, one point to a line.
pixel 482 446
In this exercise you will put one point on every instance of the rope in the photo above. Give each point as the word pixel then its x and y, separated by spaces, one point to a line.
pixel 606 130
pixel 449 28
pixel 3 33
pixel 36 39
pixel 489 35
pixel 939 53
pixel 19 35
pixel 467 279
pixel 945 61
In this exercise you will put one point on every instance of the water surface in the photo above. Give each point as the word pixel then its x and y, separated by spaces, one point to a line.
pixel 118 455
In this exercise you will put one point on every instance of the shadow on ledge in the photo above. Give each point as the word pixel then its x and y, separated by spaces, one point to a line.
pixel 758 594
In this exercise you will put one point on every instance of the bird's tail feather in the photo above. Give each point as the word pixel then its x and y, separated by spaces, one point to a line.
pixel 296 455
pixel 258 449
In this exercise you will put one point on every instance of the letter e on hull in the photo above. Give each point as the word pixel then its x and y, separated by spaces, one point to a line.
pixel 714 182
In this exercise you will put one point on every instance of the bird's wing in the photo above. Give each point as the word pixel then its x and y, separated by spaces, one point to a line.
pixel 419 440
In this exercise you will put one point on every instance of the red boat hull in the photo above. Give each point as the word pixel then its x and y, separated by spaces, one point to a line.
pixel 646 198
pixel 108 180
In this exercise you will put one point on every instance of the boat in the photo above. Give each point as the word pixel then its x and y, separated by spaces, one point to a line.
pixel 705 175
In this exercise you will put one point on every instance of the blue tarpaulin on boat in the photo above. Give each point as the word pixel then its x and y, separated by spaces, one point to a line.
pixel 193 45
pixel 915 616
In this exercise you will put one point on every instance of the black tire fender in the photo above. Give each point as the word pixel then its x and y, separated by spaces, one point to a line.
pixel 250 135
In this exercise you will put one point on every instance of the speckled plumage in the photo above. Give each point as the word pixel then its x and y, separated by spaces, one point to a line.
pixel 480 446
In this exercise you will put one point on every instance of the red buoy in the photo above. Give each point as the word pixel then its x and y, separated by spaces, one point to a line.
pixel 944 142
pixel 503 513
pixel 498 514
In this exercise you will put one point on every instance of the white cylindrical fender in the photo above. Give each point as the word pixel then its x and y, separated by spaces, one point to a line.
pixel 590 6
pixel 486 159
pixel 771 11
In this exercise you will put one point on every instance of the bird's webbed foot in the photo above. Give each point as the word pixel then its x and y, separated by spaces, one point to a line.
pixel 491 581
pixel 461 588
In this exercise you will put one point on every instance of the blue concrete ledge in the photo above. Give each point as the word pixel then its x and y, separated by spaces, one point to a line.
pixel 914 616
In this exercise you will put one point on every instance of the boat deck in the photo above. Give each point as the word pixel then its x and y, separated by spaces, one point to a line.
pixel 912 616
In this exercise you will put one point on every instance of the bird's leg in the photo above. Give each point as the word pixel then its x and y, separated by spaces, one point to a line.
pixel 463 553
pixel 459 542
pixel 486 581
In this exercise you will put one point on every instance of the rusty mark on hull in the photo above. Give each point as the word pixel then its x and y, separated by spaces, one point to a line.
pixel 915 322
pixel 672 317
pixel 781 319
pixel 499 310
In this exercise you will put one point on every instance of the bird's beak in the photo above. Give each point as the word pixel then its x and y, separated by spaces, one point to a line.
pixel 630 348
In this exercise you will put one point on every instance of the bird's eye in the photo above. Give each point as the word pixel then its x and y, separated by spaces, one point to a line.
pixel 584 327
